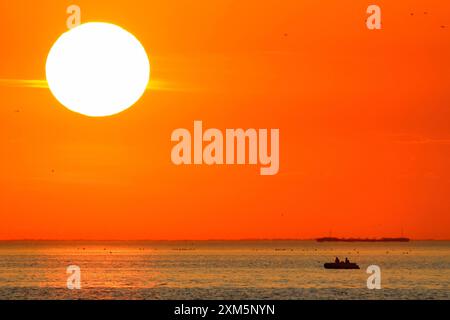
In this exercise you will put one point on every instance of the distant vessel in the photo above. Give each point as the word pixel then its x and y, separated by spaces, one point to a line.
pixel 332 239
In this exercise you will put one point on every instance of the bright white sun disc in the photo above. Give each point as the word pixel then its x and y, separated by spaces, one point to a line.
pixel 97 69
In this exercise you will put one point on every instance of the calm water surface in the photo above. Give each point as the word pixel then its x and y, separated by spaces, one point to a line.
pixel 222 270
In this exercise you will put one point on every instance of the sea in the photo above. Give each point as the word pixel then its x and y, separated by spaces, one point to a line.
pixel 184 270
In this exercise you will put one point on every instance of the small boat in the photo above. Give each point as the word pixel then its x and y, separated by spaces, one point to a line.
pixel 341 265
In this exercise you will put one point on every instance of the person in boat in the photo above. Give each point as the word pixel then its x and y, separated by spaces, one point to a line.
pixel 346 260
pixel 336 260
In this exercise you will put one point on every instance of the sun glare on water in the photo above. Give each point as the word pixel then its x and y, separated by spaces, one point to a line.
pixel 97 69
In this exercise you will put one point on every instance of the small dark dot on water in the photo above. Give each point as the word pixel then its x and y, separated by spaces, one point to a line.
pixel 412 13
pixel 442 27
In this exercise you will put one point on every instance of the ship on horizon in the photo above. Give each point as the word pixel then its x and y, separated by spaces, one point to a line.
pixel 334 239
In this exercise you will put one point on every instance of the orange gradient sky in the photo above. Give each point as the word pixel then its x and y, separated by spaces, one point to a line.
pixel 364 119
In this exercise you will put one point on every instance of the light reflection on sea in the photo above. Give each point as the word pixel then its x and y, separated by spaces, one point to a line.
pixel 220 269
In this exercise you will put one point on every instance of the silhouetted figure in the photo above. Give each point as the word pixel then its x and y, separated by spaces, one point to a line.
pixel 336 260
pixel 346 260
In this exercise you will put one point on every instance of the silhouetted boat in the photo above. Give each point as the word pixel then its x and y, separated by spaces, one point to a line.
pixel 332 239
pixel 341 265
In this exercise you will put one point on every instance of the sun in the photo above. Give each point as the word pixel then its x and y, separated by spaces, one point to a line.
pixel 97 69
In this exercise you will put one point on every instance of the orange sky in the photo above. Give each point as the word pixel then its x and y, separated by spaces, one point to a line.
pixel 364 119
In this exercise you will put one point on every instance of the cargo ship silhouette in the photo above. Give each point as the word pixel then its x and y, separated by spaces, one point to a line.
pixel 333 239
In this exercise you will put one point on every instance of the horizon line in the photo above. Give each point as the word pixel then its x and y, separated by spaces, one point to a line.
pixel 199 240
